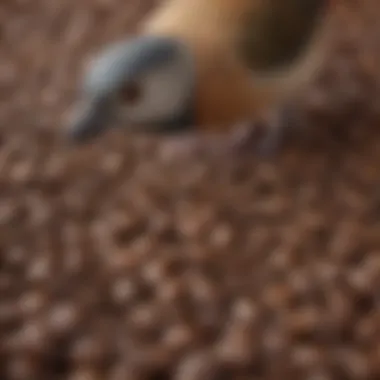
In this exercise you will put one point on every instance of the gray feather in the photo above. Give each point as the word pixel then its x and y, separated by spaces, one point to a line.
pixel 127 60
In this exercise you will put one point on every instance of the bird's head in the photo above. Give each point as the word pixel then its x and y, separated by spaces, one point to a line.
pixel 146 83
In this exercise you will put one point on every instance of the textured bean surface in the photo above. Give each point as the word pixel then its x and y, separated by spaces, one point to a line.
pixel 119 262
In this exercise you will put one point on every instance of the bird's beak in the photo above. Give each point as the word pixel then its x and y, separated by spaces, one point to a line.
pixel 88 120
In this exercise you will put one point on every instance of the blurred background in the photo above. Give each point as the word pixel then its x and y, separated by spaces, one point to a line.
pixel 118 262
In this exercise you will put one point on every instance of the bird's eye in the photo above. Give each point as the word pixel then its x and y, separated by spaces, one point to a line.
pixel 131 93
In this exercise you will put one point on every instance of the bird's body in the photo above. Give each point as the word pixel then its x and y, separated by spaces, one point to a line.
pixel 228 90
pixel 223 92
pixel 244 57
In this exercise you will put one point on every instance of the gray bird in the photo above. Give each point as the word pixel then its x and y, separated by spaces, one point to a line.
pixel 212 64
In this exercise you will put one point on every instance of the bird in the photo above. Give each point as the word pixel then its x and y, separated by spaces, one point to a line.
pixel 214 66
